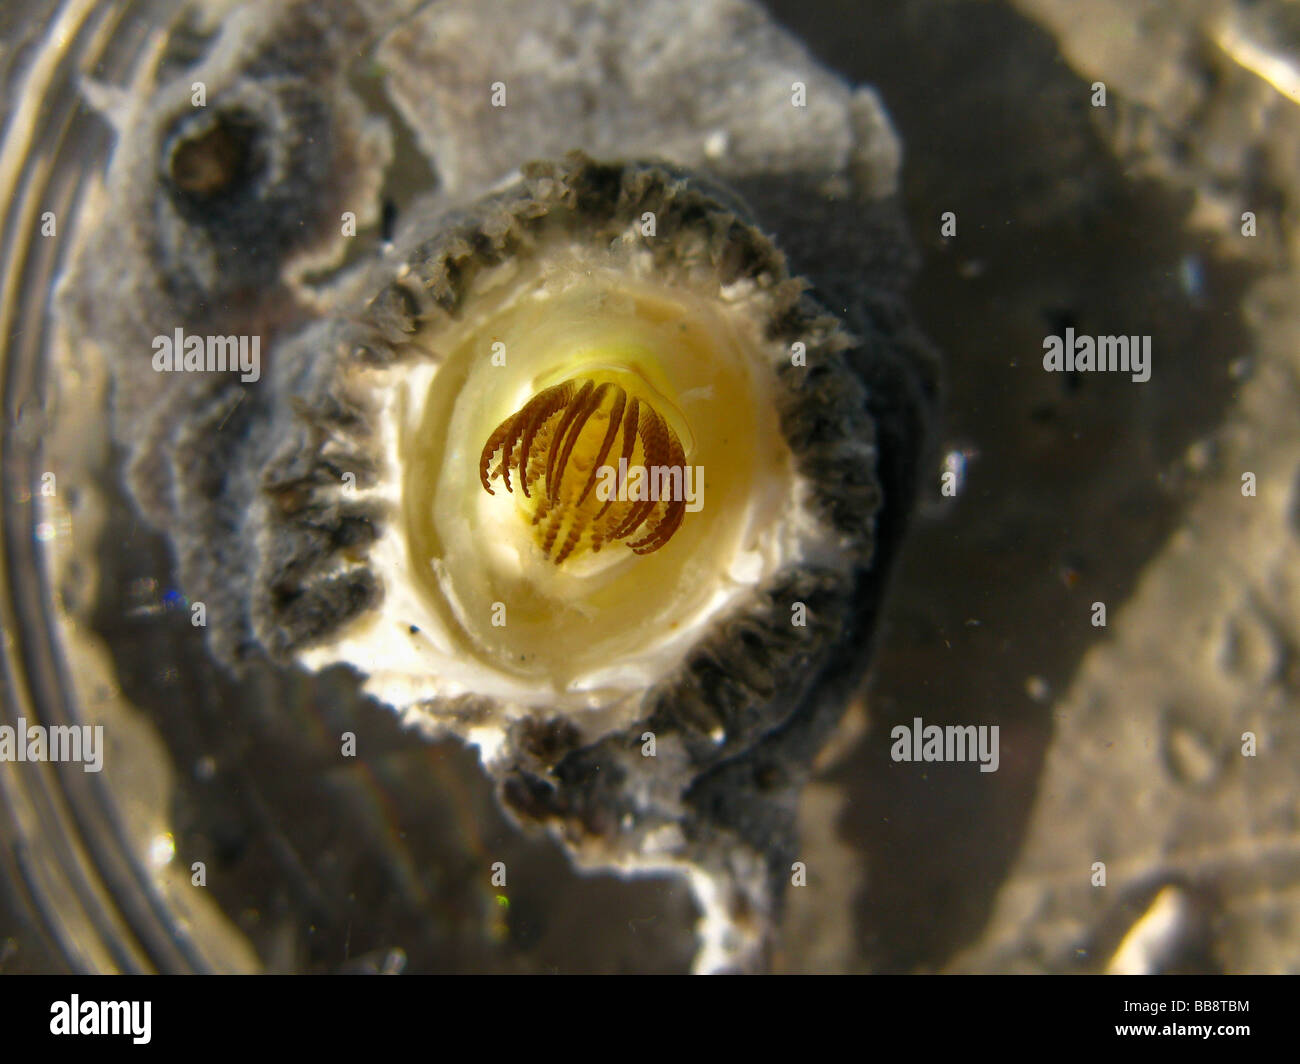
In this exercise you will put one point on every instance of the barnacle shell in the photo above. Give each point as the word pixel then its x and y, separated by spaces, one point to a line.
pixel 442 592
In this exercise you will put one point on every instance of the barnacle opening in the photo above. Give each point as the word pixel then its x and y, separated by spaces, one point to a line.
pixel 218 158
pixel 530 322
pixel 593 464
pixel 563 326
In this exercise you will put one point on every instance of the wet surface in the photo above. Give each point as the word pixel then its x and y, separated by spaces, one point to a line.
pixel 1072 481
pixel 330 862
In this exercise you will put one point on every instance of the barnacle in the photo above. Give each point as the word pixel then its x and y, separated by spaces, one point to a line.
pixel 517 348
pixel 576 426
pixel 473 470
pixel 443 506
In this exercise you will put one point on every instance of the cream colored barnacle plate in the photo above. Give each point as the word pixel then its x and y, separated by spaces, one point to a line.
pixel 509 406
